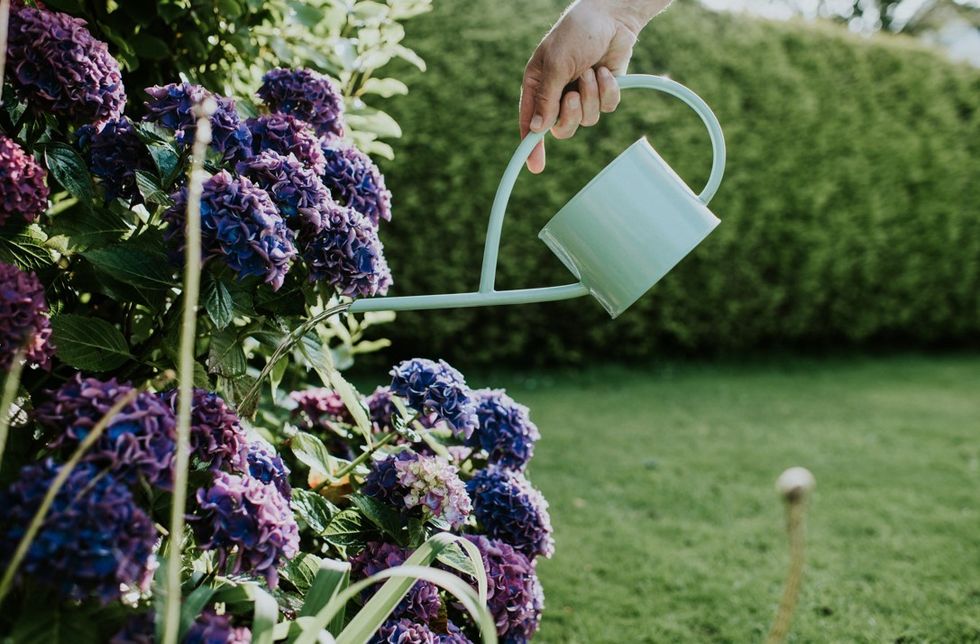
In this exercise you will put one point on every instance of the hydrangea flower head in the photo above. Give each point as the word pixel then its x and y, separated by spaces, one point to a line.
pixel 250 519
pixel 240 225
pixel 320 404
pixel 171 106
pixel 114 153
pixel 139 441
pixel 427 484
pixel 355 181
pixel 217 437
pixel 211 628
pixel 23 318
pixel 436 388
pixel 286 135
pixel 514 594
pixel 506 431
pixel 307 95
pixel 510 509
pixel 299 194
pixel 267 466
pixel 348 255
pixel 422 602
pixel 403 631
pixel 56 65
pixel 23 192
pixel 93 538
pixel 381 409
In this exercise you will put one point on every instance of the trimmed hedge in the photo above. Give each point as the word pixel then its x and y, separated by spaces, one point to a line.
pixel 849 208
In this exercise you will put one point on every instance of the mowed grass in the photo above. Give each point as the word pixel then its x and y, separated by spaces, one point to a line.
pixel 668 527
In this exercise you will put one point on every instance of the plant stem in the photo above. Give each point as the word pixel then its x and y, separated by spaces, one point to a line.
pixel 365 455
pixel 795 527
pixel 57 483
pixel 10 386
pixel 4 22
pixel 185 366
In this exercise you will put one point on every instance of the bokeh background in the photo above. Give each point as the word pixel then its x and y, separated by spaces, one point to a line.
pixel 831 321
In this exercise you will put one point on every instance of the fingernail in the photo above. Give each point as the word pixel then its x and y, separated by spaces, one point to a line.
pixel 537 122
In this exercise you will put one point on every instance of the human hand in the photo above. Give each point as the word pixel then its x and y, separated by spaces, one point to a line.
pixel 570 78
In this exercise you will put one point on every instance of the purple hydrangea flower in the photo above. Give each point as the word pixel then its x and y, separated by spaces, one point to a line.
pixel 506 431
pixel 453 635
pixel 422 602
pixel 23 318
pixel 508 508
pixel 114 153
pixel 55 64
pixel 286 135
pixel 320 404
pixel 217 437
pixel 139 441
pixel 241 225
pixel 381 409
pixel 250 519
pixel 514 594
pixel 93 538
pixel 410 481
pixel 299 194
pixel 267 466
pixel 348 255
pixel 307 95
pixel 171 106
pixel 355 181
pixel 403 631
pixel 23 193
pixel 435 387
pixel 211 628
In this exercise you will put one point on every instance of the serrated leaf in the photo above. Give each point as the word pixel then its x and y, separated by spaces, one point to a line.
pixel 300 571
pixel 88 344
pixel 388 520
pixel 346 530
pixel 70 170
pixel 135 266
pixel 24 246
pixel 219 305
pixel 87 228
pixel 226 355
pixel 311 451
pixel 313 509
pixel 150 189
pixel 454 557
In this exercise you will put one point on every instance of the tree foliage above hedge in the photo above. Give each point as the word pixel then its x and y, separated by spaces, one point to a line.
pixel 849 208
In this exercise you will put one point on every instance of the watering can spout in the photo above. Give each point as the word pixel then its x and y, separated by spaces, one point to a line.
pixel 619 235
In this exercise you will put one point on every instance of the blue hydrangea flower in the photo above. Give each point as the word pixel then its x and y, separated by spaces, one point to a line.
pixel 308 95
pixel 267 466
pixel 427 485
pixel 381 409
pixel 56 65
pixel 211 628
pixel 299 194
pixel 506 431
pixel 422 602
pixel 245 517
pixel 93 538
pixel 217 437
pixel 139 441
pixel 286 135
pixel 171 106
pixel 23 192
pixel 403 631
pixel 348 255
pixel 114 153
pixel 240 225
pixel 436 388
pixel 514 594
pixel 23 318
pixel 508 508
pixel 355 181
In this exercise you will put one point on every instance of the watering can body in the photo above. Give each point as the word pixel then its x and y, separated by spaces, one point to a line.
pixel 619 235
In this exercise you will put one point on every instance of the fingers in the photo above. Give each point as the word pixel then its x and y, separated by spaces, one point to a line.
pixel 608 90
pixel 570 118
pixel 535 162
pixel 588 89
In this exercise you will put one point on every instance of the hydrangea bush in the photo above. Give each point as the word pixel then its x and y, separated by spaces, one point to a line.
pixel 294 485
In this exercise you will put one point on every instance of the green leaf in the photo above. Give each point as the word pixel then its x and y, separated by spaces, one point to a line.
pixel 70 171
pixel 150 188
pixel 375 121
pixel 87 228
pixel 332 578
pixel 148 46
pixel 388 520
pixel 385 87
pixel 311 451
pixel 352 400
pixel 191 607
pixel 52 625
pixel 265 614
pixel 300 571
pixel 226 355
pixel 24 246
pixel 88 344
pixel 135 266
pixel 219 305
pixel 313 509
pixel 346 530
pixel 410 56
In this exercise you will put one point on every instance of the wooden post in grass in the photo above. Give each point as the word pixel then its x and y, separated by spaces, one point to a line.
pixel 795 485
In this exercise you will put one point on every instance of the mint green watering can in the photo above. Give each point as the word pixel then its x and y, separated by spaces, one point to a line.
pixel 619 235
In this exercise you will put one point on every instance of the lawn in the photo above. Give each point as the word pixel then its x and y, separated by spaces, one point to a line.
pixel 668 527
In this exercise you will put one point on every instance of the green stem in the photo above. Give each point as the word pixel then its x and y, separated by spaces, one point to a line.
pixel 185 367
pixel 365 455
pixel 4 21
pixel 794 577
pixel 10 386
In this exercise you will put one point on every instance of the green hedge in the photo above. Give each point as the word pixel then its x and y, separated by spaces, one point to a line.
pixel 849 208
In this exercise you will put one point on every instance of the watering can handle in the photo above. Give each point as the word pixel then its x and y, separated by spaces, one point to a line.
pixel 630 81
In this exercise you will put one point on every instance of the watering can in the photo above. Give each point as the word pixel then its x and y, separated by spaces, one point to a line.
pixel 619 235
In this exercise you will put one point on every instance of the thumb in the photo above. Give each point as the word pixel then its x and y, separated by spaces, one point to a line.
pixel 543 86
